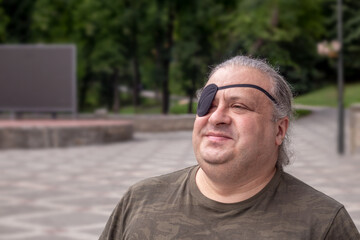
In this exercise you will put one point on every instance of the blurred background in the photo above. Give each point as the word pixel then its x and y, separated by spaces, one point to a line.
pixel 148 58
pixel 132 56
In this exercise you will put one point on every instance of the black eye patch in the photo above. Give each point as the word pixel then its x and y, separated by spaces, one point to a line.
pixel 209 92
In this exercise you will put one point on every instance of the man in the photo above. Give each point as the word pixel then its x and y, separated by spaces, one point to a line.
pixel 239 189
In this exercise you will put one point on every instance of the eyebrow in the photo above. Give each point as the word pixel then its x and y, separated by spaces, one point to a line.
pixel 250 86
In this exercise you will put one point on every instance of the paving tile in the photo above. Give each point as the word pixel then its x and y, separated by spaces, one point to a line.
pixel 50 237
pixel 67 220
pixel 10 210
pixel 69 193
pixel 89 201
pixel 6 230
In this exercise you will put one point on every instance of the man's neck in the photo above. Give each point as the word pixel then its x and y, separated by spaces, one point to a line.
pixel 232 192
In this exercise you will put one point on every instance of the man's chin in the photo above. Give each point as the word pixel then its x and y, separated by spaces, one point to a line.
pixel 214 160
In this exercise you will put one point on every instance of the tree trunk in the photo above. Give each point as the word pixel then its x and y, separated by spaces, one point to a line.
pixel 83 89
pixel 165 88
pixel 116 95
pixel 190 107
pixel 135 60
pixel 137 82
pixel 133 43
pixel 167 59
pixel 192 91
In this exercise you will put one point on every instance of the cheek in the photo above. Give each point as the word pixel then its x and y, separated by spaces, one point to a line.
pixel 259 131
pixel 249 128
pixel 199 124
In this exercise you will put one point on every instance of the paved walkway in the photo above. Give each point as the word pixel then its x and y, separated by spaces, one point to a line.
pixel 68 194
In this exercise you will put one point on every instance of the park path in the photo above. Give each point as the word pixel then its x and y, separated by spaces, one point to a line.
pixel 69 193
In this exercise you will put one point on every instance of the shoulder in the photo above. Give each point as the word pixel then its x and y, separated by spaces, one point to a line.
pixel 305 193
pixel 342 227
pixel 301 192
pixel 306 204
pixel 311 210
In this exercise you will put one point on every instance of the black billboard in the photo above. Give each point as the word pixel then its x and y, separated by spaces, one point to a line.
pixel 38 78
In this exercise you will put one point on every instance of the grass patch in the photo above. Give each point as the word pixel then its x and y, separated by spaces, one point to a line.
pixel 182 108
pixel 328 96
pixel 140 110
pixel 352 94
pixel 156 109
pixel 299 113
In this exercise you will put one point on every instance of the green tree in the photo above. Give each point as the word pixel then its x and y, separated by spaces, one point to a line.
pixel 56 21
pixel 158 42
pixel 18 20
pixel 285 32
pixel 196 28
pixel 351 38
pixel 100 50
pixel 4 20
pixel 132 18
pixel 161 17
pixel 53 21
pixel 106 34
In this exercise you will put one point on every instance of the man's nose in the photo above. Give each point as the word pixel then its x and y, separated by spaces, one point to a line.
pixel 220 116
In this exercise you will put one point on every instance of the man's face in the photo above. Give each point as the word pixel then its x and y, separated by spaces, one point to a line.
pixel 238 132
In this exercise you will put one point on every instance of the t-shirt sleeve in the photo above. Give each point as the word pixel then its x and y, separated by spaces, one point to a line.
pixel 115 225
pixel 342 227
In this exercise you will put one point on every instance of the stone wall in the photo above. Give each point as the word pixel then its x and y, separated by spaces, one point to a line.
pixel 62 133
pixel 159 123
pixel 141 123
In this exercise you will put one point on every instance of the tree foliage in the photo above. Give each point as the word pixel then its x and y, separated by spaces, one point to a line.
pixel 3 23
pixel 167 45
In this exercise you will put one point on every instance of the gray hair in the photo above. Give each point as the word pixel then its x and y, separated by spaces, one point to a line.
pixel 281 91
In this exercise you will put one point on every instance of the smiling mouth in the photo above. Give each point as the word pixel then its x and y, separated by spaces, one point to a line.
pixel 217 137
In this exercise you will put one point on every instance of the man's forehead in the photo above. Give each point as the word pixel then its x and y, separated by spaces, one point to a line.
pixel 237 93
pixel 231 75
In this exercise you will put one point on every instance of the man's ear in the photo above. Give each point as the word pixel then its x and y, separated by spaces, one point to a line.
pixel 281 128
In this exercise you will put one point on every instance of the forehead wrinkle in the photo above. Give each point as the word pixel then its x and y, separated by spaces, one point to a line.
pixel 233 95
pixel 249 75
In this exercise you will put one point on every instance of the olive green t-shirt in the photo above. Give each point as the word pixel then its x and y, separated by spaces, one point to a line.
pixel 172 207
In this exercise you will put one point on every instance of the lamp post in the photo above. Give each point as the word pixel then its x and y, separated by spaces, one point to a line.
pixel 334 49
pixel 340 79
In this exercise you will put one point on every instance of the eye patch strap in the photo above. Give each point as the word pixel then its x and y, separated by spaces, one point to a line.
pixel 250 86
pixel 210 91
